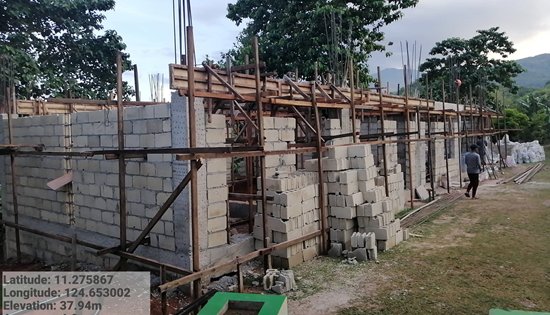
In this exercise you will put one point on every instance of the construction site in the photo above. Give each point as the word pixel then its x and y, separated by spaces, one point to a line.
pixel 239 166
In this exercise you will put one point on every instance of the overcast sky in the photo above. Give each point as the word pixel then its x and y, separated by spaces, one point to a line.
pixel 146 28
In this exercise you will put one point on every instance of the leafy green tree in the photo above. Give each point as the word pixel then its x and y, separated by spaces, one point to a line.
pixel 479 62
pixel 515 119
pixel 539 127
pixel 295 34
pixel 54 48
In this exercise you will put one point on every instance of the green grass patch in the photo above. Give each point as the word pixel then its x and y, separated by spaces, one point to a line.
pixel 499 260
pixel 401 214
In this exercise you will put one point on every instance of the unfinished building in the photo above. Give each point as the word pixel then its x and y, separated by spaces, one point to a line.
pixel 235 167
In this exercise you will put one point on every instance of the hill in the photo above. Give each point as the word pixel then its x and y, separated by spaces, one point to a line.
pixel 537 72
pixel 536 75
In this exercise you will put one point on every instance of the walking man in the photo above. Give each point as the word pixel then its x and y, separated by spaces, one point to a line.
pixel 473 167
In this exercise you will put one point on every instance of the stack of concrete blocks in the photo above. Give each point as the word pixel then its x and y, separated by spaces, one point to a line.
pixel 377 214
pixel 338 126
pixel 397 195
pixel 293 212
pixel 395 202
pixel 396 177
pixel 214 173
pixel 391 148
pixel 438 157
pixel 454 146
pixel 343 195
pixel 349 174
pixel 418 153
pixel 373 126
pixel 278 133
pixel 333 127
pixel 365 242
pixel 384 225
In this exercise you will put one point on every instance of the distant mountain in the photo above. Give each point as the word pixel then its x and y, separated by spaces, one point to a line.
pixel 536 75
pixel 537 71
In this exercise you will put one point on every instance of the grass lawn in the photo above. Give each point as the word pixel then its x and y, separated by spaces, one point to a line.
pixel 479 254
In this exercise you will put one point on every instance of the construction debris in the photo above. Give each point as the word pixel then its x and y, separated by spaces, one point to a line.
pixel 279 281
pixel 225 283
pixel 350 261
pixel 335 250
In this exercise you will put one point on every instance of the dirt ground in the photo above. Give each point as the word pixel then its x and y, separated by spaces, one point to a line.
pixel 493 252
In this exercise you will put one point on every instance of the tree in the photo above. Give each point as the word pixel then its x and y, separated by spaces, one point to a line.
pixel 471 61
pixel 515 119
pixel 54 48
pixel 295 34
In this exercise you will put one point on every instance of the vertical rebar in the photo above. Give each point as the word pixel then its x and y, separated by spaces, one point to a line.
pixel 408 127
pixel 180 32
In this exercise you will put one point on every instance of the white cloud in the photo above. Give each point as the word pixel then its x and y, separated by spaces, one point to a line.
pixel 434 20
pixel 147 29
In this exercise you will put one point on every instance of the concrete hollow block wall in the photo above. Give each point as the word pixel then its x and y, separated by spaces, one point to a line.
pixel 355 194
pixel 88 206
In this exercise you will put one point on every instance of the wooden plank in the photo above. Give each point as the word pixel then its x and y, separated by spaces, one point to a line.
pixel 61 181
pixel 245 84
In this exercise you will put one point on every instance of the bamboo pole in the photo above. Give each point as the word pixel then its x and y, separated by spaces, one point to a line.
pixel 458 120
pixel 352 101
pixel 324 214
pixel 121 160
pixel 9 102
pixel 430 146
pixel 506 134
pixel 445 142
pixel 136 83
pixel 382 131
pixel 194 169
pixel 261 142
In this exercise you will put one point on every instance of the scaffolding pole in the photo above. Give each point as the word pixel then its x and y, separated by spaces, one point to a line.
pixel 194 162
pixel 382 131
pixel 121 162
